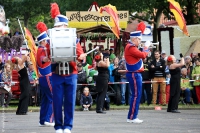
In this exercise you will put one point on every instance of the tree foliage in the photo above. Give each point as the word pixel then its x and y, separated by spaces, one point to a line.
pixel 32 11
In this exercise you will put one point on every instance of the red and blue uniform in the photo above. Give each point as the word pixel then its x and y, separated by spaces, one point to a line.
pixel 45 79
pixel 134 65
pixel 64 93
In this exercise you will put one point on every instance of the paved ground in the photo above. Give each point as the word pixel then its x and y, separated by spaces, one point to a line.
pixel 188 121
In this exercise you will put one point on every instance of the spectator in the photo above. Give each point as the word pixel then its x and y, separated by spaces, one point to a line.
pixel 31 74
pixel 106 53
pixel 112 55
pixel 86 99
pixel 89 59
pixel 146 87
pixel 124 87
pixel 90 56
pixel 112 68
pixel 186 86
pixel 189 66
pixel 17 32
pixel 194 57
pixel 6 78
pixel 107 103
pixel 157 69
pixel 101 49
pixel 167 84
pixel 1 67
pixel 82 77
pixel 163 55
pixel 90 46
pixel 86 67
pixel 195 76
pixel 34 81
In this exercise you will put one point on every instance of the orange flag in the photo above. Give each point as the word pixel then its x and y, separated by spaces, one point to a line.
pixel 112 11
pixel 176 10
pixel 33 48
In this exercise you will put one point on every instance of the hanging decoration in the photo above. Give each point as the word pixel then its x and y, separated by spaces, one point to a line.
pixel 91 35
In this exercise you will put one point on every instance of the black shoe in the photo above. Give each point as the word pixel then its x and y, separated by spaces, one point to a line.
pixel 100 111
pixel 169 111
pixel 175 111
pixel 23 113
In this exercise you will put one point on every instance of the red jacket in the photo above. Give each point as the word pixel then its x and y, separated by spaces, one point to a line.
pixel 134 57
pixel 43 67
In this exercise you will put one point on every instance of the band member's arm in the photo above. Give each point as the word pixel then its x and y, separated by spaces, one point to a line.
pixel 45 59
pixel 24 59
pixel 79 51
pixel 105 63
pixel 175 65
pixel 137 53
pixel 41 56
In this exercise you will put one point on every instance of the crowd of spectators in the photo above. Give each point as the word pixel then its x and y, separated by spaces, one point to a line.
pixel 156 77
pixel 155 69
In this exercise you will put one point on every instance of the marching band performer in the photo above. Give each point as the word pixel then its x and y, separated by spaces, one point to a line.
pixel 24 83
pixel 134 64
pixel 45 77
pixel 64 86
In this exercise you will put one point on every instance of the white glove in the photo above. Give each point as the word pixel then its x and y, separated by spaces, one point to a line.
pixel 147 44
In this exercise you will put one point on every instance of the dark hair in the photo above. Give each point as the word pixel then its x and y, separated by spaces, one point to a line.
pixel 79 65
pixel 197 59
pixel 157 51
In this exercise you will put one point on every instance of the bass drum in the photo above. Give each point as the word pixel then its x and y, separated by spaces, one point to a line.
pixel 62 44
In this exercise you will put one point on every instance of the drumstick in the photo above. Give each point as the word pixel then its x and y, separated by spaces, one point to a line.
pixel 97 47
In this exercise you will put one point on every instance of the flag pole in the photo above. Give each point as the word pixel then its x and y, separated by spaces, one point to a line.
pixel 22 32
pixel 180 31
pixel 107 23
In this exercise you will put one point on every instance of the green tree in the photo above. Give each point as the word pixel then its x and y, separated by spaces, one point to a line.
pixel 25 9
pixel 153 9
pixel 28 11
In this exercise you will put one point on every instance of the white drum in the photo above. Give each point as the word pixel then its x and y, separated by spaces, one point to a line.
pixel 62 44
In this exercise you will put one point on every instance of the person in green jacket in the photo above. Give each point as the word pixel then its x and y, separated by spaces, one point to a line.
pixel 195 76
pixel 186 86
pixel 89 59
pixel 112 55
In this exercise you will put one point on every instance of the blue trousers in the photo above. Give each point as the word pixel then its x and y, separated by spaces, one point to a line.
pixel 187 95
pixel 46 108
pixel 64 93
pixel 135 81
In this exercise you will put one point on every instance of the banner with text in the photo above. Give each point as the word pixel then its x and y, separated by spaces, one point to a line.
pixel 85 16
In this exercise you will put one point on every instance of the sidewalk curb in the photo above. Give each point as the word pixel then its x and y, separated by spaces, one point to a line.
pixel 93 109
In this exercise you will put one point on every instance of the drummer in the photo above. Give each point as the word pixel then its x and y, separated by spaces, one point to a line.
pixel 6 78
pixel 64 86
